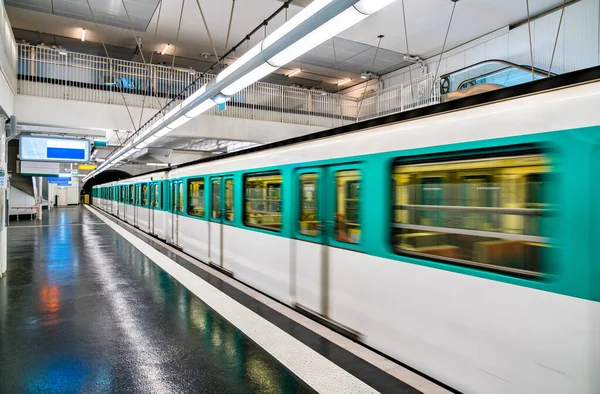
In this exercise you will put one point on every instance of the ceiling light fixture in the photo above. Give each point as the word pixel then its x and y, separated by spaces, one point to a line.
pixel 315 24
pixel 83 34
pixel 296 72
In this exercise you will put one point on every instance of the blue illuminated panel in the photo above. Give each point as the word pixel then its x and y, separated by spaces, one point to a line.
pixel 64 153
pixel 54 149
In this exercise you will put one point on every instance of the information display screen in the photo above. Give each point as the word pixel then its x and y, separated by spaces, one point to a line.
pixel 54 149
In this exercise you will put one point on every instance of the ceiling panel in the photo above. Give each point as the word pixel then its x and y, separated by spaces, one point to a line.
pixel 108 12
pixel 36 5
pixel 353 57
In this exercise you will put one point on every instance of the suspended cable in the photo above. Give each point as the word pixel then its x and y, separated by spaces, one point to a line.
pixel 530 42
pixel 137 42
pixel 207 30
pixel 110 61
pixel 151 58
pixel 437 69
pixel 175 49
pixel 407 51
pixel 368 80
pixel 229 27
pixel 562 13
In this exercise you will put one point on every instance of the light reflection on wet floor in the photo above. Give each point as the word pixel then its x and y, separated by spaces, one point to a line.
pixel 81 310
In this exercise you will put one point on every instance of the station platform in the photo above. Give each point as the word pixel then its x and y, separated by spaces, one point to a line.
pixel 90 304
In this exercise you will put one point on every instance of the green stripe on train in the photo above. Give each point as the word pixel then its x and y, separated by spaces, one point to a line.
pixel 574 266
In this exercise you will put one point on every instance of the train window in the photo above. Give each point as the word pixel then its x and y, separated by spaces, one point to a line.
pixel 131 194
pixel 486 213
pixel 157 196
pixel 180 195
pixel 347 220
pixel 229 200
pixel 122 193
pixel 309 221
pixel 145 195
pixel 216 199
pixel 196 197
pixel 263 201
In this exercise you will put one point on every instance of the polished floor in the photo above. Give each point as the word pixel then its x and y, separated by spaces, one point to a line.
pixel 82 311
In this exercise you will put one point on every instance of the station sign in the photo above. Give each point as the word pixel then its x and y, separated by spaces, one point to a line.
pixel 34 148
pixel 87 167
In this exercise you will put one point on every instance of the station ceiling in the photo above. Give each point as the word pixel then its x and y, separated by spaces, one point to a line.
pixel 60 22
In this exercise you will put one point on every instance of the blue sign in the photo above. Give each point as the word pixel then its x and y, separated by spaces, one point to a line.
pixel 54 149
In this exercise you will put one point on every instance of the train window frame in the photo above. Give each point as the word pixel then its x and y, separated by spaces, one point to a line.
pixel 202 200
pixel 227 201
pixel 544 231
pixel 145 195
pixel 334 238
pixel 281 194
pixel 302 224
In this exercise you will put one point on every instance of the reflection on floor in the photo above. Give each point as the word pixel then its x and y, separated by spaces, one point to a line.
pixel 81 310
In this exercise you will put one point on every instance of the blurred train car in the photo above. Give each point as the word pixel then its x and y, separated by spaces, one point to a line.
pixel 460 239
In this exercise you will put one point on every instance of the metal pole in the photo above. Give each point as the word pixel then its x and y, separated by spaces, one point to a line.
pixel 40 197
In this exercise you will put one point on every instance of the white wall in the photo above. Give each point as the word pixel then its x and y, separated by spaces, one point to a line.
pixel 577 46
pixel 20 199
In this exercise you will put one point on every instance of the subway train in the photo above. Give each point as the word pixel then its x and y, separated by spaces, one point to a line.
pixel 460 239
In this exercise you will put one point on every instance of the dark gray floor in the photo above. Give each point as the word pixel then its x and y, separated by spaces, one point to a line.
pixel 81 310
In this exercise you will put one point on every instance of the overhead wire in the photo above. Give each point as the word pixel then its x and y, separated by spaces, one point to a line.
pixel 562 13
pixel 110 60
pixel 407 51
pixel 151 58
pixel 175 49
pixel 208 30
pixel 530 42
pixel 437 69
pixel 368 80
pixel 229 27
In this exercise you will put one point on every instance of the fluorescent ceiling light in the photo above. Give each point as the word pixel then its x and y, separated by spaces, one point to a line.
pixel 201 108
pixel 165 49
pixel 64 175
pixel 194 95
pixel 157 164
pixel 288 26
pixel 163 132
pixel 255 50
pixel 178 122
pixel 295 72
pixel 82 34
pixel 248 79
pixel 151 139
pixel 318 36
pixel 371 6
pixel 344 81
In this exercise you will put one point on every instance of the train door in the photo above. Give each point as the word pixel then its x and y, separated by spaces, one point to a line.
pixel 153 204
pixel 328 216
pixel 136 210
pixel 177 204
pixel 221 212
pixel 117 195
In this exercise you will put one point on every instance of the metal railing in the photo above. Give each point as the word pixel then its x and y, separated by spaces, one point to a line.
pixel 8 50
pixel 56 73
